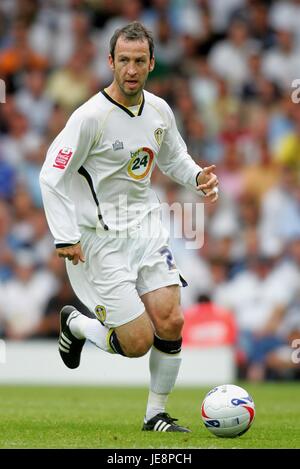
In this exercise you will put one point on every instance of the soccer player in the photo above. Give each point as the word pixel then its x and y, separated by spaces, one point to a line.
pixel 105 219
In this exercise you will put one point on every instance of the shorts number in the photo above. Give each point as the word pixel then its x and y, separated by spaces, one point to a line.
pixel 169 257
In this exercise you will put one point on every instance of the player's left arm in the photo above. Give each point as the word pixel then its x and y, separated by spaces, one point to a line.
pixel 173 160
pixel 208 182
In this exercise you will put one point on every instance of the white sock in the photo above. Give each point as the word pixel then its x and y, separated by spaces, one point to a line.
pixel 156 404
pixel 164 370
pixel 83 327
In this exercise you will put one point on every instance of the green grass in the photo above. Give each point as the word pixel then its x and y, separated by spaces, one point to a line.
pixel 100 417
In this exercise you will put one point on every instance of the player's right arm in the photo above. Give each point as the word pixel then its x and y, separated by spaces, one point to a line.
pixel 65 156
pixel 73 253
pixel 175 161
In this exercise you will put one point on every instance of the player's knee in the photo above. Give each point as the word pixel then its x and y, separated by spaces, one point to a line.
pixel 139 347
pixel 138 344
pixel 175 324
pixel 178 324
pixel 172 326
pixel 136 337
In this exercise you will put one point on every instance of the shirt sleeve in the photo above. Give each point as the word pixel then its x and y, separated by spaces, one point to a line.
pixel 173 158
pixel 65 156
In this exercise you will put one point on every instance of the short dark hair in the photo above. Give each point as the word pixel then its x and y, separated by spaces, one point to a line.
pixel 134 31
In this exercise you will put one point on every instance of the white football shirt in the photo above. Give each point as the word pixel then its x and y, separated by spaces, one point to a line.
pixel 99 167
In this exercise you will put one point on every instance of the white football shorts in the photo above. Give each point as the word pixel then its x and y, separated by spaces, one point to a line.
pixel 119 269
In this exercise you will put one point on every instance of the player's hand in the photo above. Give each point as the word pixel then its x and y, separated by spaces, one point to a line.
pixel 72 253
pixel 208 183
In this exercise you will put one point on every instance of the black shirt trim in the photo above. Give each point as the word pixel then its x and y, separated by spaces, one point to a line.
pixel 65 245
pixel 89 180
pixel 124 108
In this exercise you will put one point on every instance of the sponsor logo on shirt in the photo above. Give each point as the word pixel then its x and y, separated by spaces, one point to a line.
pixel 140 163
pixel 62 158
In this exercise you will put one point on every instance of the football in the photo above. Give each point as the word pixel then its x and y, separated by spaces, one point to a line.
pixel 228 411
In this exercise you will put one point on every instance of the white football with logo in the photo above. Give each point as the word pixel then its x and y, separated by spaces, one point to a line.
pixel 228 411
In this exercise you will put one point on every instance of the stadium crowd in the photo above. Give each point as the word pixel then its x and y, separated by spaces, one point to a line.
pixel 228 69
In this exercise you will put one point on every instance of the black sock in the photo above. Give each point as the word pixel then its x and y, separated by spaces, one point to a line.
pixel 167 346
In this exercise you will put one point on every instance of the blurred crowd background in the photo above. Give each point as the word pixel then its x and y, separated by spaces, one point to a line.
pixel 227 68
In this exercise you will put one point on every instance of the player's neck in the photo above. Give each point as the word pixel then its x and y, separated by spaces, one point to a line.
pixel 115 93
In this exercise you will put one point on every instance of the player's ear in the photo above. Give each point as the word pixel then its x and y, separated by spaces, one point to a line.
pixel 152 64
pixel 111 62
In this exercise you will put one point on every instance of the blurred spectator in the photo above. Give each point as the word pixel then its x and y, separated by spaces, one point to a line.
pixel 229 57
pixel 247 242
pixel 219 268
pixel 23 298
pixel 8 242
pixel 22 209
pixel 286 14
pixel 56 123
pixel 72 85
pixel 289 146
pixel 33 101
pixel 203 87
pixel 128 11
pixel 29 172
pixel 261 172
pixel 282 63
pixel 18 140
pixel 168 49
pixel 221 221
pixel 286 324
pixel 230 170
pixel 283 362
pixel 256 87
pixel 208 325
pixel 288 269
pixel 280 214
pixel 7 180
pixel 197 140
pixel 49 322
pixel 41 240
pixel 281 122
pixel 72 35
pixel 222 12
pixel 257 14
pixel 103 11
pixel 18 56
pixel 257 296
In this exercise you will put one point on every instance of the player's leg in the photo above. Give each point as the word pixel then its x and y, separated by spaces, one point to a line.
pixel 164 310
pixel 133 339
pixel 104 278
pixel 75 328
pixel 158 286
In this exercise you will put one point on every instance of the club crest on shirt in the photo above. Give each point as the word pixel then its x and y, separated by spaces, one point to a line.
pixel 100 312
pixel 117 145
pixel 63 157
pixel 158 134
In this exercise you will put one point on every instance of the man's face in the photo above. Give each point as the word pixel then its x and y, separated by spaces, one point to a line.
pixel 131 65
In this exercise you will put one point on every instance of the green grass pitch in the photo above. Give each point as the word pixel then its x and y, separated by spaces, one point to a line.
pixel 103 417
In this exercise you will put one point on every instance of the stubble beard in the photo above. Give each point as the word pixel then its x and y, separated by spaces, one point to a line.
pixel 130 93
